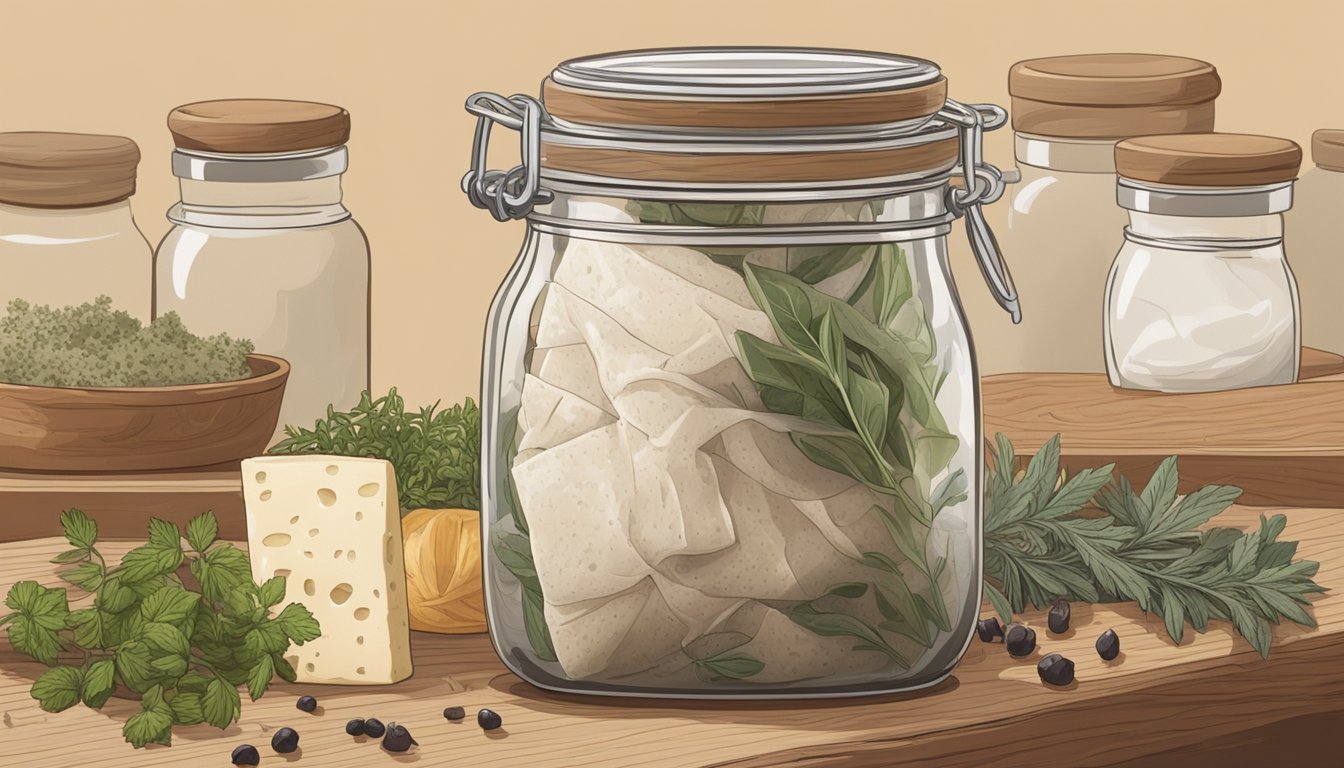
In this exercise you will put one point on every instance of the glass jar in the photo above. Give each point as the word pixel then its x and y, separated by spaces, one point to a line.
pixel 1201 297
pixel 1068 112
pixel 262 248
pixel 66 231
pixel 1315 235
pixel 732 433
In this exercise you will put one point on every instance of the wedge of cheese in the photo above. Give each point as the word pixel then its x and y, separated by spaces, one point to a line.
pixel 332 526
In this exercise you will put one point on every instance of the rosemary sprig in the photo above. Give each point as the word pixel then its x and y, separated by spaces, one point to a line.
pixel 1147 548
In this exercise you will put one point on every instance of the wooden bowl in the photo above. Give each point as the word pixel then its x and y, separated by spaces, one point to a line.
pixel 68 429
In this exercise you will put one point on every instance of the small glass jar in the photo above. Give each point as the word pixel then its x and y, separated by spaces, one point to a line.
pixel 1201 297
pixel 731 427
pixel 1315 236
pixel 263 249
pixel 1068 112
pixel 66 231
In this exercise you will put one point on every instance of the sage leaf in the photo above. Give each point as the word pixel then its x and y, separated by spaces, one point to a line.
pixel 58 688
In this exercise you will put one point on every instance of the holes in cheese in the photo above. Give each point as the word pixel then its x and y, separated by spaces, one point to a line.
pixel 359 670
pixel 361 614
pixel 359 640
pixel 276 540
pixel 350 556
pixel 369 490
pixel 358 516
pixel 341 592
pixel 261 477
pixel 282 572
pixel 312 533
pixel 376 593
pixel 293 520
pixel 308 554
pixel 332 469
pixel 326 497
pixel 337 554
pixel 265 495
pixel 309 587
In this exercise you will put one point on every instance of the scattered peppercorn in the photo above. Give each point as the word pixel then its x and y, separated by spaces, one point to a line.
pixel 355 727
pixel 306 703
pixel 1055 670
pixel 285 740
pixel 246 754
pixel 1020 640
pixel 989 629
pixel 374 727
pixel 454 713
pixel 398 739
pixel 1108 645
pixel 489 719
pixel 1058 617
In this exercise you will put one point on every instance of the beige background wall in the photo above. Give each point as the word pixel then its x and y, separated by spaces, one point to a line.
pixel 403 69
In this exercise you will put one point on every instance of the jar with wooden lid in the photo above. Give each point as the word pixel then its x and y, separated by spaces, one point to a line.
pixel 1201 297
pixel 1315 236
pixel 731 426
pixel 66 231
pixel 262 247
pixel 1068 112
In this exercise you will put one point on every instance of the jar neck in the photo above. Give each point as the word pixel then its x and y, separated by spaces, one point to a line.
pixel 1068 155
pixel 259 192
pixel 51 226
pixel 1207 232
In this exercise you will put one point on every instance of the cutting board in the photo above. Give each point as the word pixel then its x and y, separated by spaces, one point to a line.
pixel 1280 445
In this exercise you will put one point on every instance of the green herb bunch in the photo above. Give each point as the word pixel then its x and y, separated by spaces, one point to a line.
pixel 436 455
pixel 1146 548
pixel 181 638
pixel 91 345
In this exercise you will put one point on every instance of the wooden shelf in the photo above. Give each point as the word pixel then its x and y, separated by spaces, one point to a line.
pixel 1209 702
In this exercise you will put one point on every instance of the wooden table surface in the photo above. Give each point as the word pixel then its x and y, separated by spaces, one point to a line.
pixel 1157 705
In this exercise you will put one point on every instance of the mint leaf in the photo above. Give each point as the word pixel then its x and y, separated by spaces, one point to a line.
pixel 71 556
pixel 283 668
pixel 194 682
pixel 266 639
pixel 187 709
pixel 202 530
pixel 273 591
pixel 148 562
pixel 80 530
pixel 133 664
pixel 114 597
pixel 736 666
pixel 164 639
pixel 260 677
pixel 44 605
pixel 172 605
pixel 98 683
pixel 153 723
pixel 58 688
pixel 164 535
pixel 87 624
pixel 220 704
pixel 87 576
pixel 298 622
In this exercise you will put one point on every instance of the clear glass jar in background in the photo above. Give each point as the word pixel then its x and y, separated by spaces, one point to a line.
pixel 731 419
pixel 1201 297
pixel 262 247
pixel 1315 237
pixel 66 231
pixel 1068 112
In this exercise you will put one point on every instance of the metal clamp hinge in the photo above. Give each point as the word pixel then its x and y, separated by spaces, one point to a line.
pixel 507 194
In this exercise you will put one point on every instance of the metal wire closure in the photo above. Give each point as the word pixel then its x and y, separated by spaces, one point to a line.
pixel 982 184
pixel 507 194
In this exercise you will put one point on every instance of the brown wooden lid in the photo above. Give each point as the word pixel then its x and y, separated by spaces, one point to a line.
pixel 1112 95
pixel 254 126
pixel 744 88
pixel 1208 159
pixel 66 170
pixel 1327 149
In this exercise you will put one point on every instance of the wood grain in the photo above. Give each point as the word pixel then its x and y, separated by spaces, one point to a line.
pixel 1281 445
pixel 141 428
pixel 1155 701
pixel 246 126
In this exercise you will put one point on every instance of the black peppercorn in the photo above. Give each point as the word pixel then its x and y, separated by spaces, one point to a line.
pixel 1059 617
pixel 1108 645
pixel 398 739
pixel 306 703
pixel 989 629
pixel 355 727
pixel 285 740
pixel 1020 640
pixel 1055 670
pixel 246 754
pixel 454 713
pixel 489 719
pixel 374 727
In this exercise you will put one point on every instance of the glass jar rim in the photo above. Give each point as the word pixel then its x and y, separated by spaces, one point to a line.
pixel 1176 200
pixel 322 163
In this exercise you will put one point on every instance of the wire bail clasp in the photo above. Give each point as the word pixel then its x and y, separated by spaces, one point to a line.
pixel 982 184
pixel 507 194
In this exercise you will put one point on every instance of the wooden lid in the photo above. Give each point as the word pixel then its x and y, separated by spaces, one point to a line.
pixel 1327 149
pixel 66 170
pixel 1112 95
pixel 254 126
pixel 744 88
pixel 1208 159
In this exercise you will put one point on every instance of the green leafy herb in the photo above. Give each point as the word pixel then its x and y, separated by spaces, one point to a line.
pixel 435 453
pixel 731 665
pixel 92 345
pixel 184 651
pixel 1148 548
